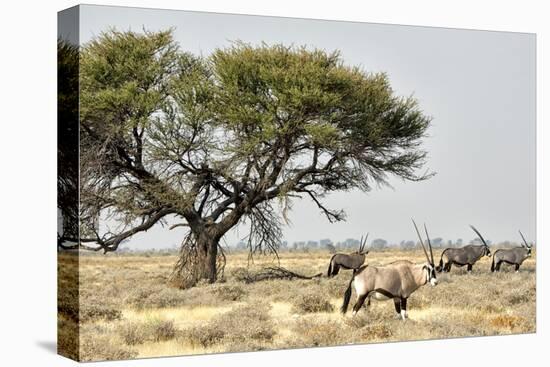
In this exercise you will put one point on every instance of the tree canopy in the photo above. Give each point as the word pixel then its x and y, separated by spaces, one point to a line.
pixel 213 140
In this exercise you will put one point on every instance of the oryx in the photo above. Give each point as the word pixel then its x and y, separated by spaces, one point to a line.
pixel 513 256
pixel 348 261
pixel 397 281
pixel 467 255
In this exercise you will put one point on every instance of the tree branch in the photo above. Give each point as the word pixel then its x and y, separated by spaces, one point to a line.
pixel 332 216
pixel 110 243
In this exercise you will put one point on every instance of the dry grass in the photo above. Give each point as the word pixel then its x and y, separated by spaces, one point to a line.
pixel 128 309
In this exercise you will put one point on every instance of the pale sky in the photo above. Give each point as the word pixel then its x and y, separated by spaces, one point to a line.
pixel 479 87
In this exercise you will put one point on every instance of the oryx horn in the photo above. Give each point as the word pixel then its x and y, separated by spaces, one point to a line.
pixel 429 244
pixel 364 243
pixel 421 242
pixel 479 234
pixel 526 245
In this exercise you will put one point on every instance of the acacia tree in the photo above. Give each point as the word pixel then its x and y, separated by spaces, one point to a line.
pixel 215 141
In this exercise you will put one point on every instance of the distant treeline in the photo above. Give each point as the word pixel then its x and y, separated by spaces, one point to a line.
pixel 351 244
pixel 326 244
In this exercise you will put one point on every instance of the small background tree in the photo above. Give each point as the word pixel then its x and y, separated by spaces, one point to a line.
pixel 407 244
pixel 379 243
pixel 437 242
pixel 219 140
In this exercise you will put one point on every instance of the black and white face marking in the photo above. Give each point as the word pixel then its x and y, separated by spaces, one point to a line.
pixel 431 275
pixel 487 251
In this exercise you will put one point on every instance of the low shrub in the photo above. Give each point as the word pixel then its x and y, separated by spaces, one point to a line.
pixel 313 333
pixel 240 325
pixel 102 348
pixel 94 312
pixel 155 330
pixel 162 330
pixel 506 321
pixel 311 303
pixel 240 274
pixel 230 293
pixel 379 331
pixel 67 338
pixel 205 336
pixel 132 333
pixel 68 307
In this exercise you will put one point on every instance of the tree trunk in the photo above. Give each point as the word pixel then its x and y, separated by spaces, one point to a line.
pixel 200 258
pixel 208 247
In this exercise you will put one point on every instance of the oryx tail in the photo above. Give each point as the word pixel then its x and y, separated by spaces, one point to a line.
pixel 329 272
pixel 347 295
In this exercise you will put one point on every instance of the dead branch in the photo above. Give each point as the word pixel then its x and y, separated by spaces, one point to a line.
pixel 276 273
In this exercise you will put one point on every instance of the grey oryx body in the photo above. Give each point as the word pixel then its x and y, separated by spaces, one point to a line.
pixel 348 261
pixel 467 255
pixel 397 281
pixel 514 256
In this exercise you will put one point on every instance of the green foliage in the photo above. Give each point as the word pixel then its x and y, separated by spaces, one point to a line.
pixel 124 76
pixel 310 99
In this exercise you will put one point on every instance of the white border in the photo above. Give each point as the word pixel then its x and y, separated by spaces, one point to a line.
pixel 28 166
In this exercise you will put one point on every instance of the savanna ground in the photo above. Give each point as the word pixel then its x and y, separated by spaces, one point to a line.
pixel 128 309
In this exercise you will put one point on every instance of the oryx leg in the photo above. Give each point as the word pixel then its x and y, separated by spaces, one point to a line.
pixel 517 268
pixel 368 302
pixel 335 269
pixel 404 313
pixel 359 303
pixel 397 304
pixel 469 268
pixel 447 266
pixel 497 267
